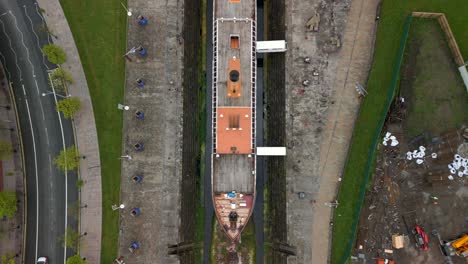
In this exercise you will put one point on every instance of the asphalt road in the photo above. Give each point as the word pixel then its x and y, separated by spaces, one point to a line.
pixel 44 132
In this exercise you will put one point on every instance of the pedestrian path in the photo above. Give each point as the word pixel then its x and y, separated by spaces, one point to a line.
pixel 85 134
pixel 355 63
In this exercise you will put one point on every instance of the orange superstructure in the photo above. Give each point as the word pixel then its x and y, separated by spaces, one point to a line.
pixel 234 130
pixel 234 78
pixel 233 162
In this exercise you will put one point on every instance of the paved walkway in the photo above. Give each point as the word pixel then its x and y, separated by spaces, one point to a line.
pixel 355 62
pixel 85 133
pixel 11 174
pixel 160 132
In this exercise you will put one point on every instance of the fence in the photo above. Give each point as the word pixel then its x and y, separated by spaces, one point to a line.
pixel 376 137
pixel 448 34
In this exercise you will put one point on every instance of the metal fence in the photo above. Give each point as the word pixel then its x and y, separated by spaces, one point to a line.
pixel 376 137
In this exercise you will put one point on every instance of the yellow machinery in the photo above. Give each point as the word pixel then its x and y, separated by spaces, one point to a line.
pixel 461 245
pixel 458 246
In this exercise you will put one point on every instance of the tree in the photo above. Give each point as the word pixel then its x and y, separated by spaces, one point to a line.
pixel 7 259
pixel 68 159
pixel 80 183
pixel 6 149
pixel 60 78
pixel 7 204
pixel 71 239
pixel 76 260
pixel 69 106
pixel 54 53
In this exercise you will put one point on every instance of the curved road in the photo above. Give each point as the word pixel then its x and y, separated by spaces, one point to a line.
pixel 44 132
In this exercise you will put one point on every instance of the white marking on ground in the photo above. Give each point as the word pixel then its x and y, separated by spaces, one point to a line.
pixel 47 137
pixel 24 45
pixel 36 172
pixel 11 47
pixel 37 37
pixel 66 173
pixel 43 22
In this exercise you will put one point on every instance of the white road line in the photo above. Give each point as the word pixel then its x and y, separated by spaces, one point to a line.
pixel 50 163
pixel 11 47
pixel 37 38
pixel 3 14
pixel 47 137
pixel 66 175
pixel 24 90
pixel 24 45
pixel 37 176
pixel 5 67
pixel 40 102
pixel 43 22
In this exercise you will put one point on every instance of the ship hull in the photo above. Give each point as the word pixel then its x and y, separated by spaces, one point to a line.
pixel 233 161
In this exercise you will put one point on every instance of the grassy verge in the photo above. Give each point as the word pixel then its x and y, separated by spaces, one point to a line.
pixel 99 30
pixel 436 94
pixel 391 24
pixel 201 129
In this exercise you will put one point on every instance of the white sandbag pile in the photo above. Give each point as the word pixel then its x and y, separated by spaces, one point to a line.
pixel 388 137
pixel 459 166
pixel 417 154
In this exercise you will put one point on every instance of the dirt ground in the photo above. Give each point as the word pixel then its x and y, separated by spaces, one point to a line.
pixel 405 194
pixel 226 252
pixel 402 193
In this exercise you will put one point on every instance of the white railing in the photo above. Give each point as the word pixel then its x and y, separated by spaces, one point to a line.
pixel 214 105
pixel 253 79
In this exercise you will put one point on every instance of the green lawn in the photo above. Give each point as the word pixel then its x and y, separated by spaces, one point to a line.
pixel 391 25
pixel 99 29
pixel 431 82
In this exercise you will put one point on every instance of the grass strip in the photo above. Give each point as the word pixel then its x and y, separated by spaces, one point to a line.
pixel 99 30
pixel 391 24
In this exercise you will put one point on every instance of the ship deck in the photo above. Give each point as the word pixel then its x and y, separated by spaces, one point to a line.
pixel 233 160
pixel 233 173
pixel 230 9
pixel 225 54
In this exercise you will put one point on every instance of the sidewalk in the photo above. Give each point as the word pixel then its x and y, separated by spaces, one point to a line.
pixel 11 175
pixel 85 135
pixel 355 62
pixel 159 163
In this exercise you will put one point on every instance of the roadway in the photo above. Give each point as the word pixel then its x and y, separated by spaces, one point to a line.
pixel 44 132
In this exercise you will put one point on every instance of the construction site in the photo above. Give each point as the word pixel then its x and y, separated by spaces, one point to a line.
pixel 415 207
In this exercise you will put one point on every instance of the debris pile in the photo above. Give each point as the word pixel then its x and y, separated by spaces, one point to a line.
pixel 459 166
pixel 418 154
pixel 393 141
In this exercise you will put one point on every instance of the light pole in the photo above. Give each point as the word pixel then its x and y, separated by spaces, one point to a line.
pixel 129 11
pixel 62 96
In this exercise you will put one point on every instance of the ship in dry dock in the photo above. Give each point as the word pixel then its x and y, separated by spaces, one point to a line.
pixel 233 166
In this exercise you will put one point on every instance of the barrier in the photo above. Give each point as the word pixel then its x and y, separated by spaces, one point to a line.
pixel 376 137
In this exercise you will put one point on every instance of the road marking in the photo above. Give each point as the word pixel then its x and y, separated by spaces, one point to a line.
pixel 47 137
pixel 3 14
pixel 11 47
pixel 24 90
pixel 5 67
pixel 37 176
pixel 43 22
pixel 66 174
pixel 37 38
pixel 37 87
pixel 24 45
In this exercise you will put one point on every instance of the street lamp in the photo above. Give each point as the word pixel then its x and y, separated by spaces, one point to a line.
pixel 129 11
pixel 44 94
pixel 123 107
